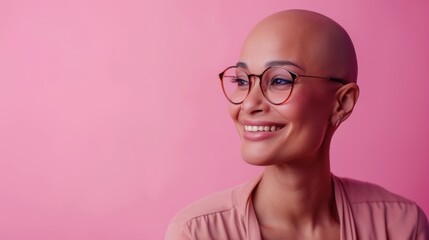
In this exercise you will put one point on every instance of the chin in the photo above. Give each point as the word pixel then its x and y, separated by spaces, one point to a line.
pixel 256 158
pixel 256 162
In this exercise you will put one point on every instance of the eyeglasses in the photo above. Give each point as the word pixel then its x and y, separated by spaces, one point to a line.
pixel 276 83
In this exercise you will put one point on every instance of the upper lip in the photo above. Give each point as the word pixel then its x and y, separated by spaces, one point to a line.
pixel 260 123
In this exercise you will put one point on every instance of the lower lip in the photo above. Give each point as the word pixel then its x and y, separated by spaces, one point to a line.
pixel 259 136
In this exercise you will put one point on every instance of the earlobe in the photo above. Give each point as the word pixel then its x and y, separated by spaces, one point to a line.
pixel 339 120
pixel 345 101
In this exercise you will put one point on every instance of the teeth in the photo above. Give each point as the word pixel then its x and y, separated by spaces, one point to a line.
pixel 261 128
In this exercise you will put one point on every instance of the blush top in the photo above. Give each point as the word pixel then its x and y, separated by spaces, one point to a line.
pixel 366 211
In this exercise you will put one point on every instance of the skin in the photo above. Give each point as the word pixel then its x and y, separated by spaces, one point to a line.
pixel 297 156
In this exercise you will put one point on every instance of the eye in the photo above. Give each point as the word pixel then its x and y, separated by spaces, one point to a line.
pixel 240 81
pixel 280 82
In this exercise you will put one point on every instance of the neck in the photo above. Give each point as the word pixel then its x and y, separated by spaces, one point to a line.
pixel 296 195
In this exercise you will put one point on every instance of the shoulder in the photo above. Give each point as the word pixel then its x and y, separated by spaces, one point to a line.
pixel 385 212
pixel 221 212
pixel 359 191
pixel 212 203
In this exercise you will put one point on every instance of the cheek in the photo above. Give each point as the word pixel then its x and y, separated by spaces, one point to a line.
pixel 312 105
pixel 234 110
pixel 309 115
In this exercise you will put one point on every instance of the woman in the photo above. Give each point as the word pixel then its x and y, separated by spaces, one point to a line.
pixel 294 84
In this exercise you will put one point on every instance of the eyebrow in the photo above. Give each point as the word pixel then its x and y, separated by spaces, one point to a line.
pixel 272 64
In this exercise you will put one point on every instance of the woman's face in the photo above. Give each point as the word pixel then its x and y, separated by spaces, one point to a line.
pixel 298 130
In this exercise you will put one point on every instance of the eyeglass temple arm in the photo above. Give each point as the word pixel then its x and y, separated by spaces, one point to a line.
pixel 338 80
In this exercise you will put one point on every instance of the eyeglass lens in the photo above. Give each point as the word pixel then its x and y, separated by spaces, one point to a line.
pixel 276 84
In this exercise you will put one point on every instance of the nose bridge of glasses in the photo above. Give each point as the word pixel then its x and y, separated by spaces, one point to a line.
pixel 252 79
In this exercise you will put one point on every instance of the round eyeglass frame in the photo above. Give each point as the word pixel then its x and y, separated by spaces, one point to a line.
pixel 250 76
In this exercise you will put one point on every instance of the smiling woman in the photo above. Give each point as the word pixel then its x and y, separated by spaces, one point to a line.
pixel 288 95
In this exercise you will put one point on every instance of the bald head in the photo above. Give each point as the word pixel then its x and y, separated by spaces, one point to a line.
pixel 311 42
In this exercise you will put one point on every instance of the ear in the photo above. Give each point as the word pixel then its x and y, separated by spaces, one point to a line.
pixel 345 101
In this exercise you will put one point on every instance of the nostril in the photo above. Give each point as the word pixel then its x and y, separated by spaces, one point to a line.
pixel 256 111
pixel 255 103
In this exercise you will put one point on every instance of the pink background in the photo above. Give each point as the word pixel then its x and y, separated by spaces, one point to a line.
pixel 112 117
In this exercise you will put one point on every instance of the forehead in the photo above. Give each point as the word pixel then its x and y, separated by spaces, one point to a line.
pixel 296 42
pixel 260 51
pixel 274 63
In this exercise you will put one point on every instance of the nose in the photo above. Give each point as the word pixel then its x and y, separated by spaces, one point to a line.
pixel 255 101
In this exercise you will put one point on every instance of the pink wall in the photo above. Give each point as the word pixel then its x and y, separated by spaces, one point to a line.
pixel 112 118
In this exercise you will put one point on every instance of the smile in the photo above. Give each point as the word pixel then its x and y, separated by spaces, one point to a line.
pixel 249 128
